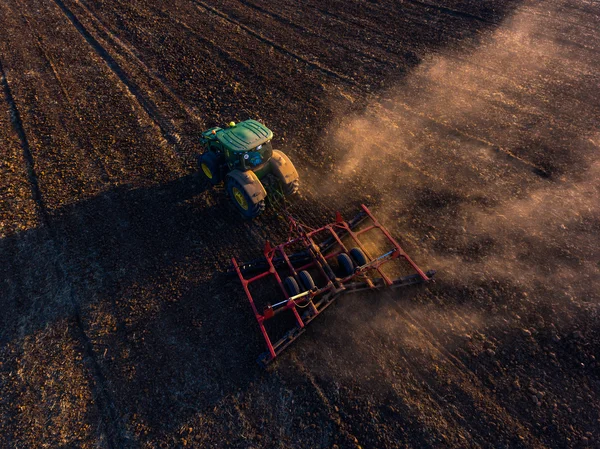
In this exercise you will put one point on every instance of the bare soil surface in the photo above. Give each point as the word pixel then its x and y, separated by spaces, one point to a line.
pixel 470 127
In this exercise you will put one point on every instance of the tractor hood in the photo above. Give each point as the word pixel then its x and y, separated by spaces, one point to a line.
pixel 244 136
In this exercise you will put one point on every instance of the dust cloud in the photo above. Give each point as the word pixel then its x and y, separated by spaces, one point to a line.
pixel 462 142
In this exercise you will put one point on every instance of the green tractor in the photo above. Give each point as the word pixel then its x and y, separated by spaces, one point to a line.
pixel 243 158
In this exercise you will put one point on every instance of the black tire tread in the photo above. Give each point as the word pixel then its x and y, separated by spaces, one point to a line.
pixel 358 256
pixel 212 161
pixel 345 263
pixel 291 286
pixel 306 280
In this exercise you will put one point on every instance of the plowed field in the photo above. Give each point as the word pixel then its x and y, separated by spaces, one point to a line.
pixel 471 127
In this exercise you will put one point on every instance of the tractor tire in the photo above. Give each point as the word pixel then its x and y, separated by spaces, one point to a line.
pixel 243 202
pixel 358 256
pixel 306 280
pixel 208 164
pixel 291 286
pixel 346 264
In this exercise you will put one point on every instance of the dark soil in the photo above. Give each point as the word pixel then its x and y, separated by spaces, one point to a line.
pixel 470 127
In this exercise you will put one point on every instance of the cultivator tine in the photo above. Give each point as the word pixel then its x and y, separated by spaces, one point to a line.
pixel 313 256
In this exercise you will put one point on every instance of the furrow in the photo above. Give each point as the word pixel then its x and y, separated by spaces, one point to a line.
pixel 275 45
pixel 505 151
pixel 486 402
pixel 105 402
pixel 83 142
pixel 191 111
pixel 166 128
pixel 18 126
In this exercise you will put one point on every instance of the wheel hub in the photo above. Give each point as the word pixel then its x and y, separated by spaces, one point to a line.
pixel 240 198
pixel 207 171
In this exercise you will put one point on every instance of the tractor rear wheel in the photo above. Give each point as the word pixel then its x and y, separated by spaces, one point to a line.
pixel 242 200
pixel 208 163
pixel 291 286
pixel 358 256
pixel 306 280
pixel 345 264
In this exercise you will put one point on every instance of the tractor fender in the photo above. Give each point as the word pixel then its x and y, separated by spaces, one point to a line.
pixel 251 184
pixel 282 168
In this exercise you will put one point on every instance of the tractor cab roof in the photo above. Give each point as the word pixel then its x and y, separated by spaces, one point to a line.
pixel 244 136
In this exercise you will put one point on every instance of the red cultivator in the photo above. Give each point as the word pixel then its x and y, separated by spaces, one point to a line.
pixel 323 253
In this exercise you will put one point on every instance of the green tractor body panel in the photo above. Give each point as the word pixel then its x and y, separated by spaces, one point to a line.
pixel 244 136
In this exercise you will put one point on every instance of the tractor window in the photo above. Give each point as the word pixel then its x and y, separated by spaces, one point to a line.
pixel 266 151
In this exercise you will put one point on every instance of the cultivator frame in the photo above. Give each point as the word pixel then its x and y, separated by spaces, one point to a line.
pixel 316 256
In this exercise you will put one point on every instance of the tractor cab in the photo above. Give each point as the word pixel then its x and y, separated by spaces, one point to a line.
pixel 246 145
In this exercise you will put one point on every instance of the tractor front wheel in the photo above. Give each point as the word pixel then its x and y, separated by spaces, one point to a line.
pixel 208 163
pixel 242 200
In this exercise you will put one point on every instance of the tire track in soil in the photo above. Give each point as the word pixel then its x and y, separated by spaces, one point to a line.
pixel 380 31
pixel 487 404
pixel 191 111
pixel 232 61
pixel 84 143
pixel 511 156
pixel 167 129
pixel 337 423
pixel 289 22
pixel 304 30
pixel 425 407
pixel 105 403
pixel 453 420
pixel 469 16
pixel 18 127
pixel 453 12
pixel 519 161
pixel 150 109
pixel 280 48
pixel 431 403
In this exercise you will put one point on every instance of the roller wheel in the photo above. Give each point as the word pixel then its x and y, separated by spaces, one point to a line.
pixel 242 200
pixel 345 264
pixel 291 286
pixel 306 280
pixel 358 256
pixel 208 163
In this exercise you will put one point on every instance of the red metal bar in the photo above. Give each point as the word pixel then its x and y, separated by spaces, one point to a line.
pixel 362 231
pixel 274 272
pixel 281 250
pixel 258 316
pixel 337 238
pixel 257 277
pixel 323 297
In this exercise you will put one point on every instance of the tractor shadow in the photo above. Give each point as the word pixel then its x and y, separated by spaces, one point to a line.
pixel 142 267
